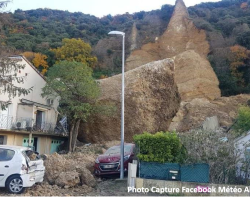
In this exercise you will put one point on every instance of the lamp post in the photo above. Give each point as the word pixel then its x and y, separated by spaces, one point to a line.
pixel 123 104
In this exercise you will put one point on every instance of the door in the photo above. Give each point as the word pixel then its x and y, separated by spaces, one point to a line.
pixel 6 156
pixel 1 139
pixel 26 142
pixel 54 145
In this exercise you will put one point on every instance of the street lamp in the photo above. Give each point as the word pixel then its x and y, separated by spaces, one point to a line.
pixel 123 104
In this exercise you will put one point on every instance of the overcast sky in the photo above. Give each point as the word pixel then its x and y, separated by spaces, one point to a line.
pixel 98 8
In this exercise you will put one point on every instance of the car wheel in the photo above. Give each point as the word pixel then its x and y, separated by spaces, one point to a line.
pixel 15 185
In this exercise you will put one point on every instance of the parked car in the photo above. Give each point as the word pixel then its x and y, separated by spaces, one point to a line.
pixel 109 162
pixel 17 170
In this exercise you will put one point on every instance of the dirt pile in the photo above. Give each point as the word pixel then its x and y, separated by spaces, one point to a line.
pixel 70 170
pixel 192 114
pixel 151 101
pixel 70 174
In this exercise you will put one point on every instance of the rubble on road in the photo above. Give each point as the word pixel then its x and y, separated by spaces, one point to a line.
pixel 69 174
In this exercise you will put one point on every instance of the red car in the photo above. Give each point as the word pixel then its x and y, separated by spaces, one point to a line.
pixel 109 162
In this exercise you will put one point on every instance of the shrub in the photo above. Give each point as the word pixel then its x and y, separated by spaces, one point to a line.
pixel 218 150
pixel 243 120
pixel 162 147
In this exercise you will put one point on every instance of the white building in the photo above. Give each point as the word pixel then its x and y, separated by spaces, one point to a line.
pixel 30 119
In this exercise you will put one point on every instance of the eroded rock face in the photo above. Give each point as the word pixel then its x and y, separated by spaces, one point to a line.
pixel 194 74
pixel 182 35
pixel 192 114
pixel 151 101
pixel 195 77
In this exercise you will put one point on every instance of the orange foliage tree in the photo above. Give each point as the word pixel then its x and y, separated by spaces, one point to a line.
pixel 239 61
pixel 244 5
pixel 75 50
pixel 38 60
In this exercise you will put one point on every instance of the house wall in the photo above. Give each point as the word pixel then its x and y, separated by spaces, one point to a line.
pixel 35 80
pixel 16 139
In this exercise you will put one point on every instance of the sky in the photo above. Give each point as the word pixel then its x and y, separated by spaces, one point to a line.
pixel 99 8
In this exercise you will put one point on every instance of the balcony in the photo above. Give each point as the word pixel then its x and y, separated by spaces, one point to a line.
pixel 30 125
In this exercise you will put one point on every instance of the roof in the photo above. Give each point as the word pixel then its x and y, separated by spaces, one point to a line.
pixel 26 60
pixel 14 147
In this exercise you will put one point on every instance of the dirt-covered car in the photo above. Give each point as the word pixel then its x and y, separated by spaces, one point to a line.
pixel 20 168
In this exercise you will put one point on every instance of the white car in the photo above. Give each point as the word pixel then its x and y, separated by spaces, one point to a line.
pixel 17 171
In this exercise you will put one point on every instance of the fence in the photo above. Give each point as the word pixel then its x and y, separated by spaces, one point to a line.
pixel 169 171
pixel 28 124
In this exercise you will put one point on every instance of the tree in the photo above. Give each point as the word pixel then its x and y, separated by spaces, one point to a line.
pixel 78 91
pixel 38 60
pixel 4 3
pixel 243 120
pixel 239 63
pixel 216 149
pixel 4 19
pixel 75 50
pixel 9 73
pixel 9 79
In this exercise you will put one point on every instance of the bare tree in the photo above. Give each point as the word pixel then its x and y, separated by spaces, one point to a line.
pixel 4 3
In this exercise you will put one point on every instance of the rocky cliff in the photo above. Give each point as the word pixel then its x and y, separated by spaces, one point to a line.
pixel 151 102
pixel 188 45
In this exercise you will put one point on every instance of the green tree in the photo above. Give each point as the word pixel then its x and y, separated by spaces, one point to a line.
pixel 78 92
pixel 243 121
pixel 75 50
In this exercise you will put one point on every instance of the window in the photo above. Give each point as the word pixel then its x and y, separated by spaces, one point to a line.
pixel 6 154
pixel 50 102
pixel 117 149
pixel 1 139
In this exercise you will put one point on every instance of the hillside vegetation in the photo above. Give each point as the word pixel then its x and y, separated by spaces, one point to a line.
pixel 226 24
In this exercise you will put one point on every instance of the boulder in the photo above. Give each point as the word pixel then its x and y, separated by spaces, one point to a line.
pixel 68 179
pixel 193 114
pixel 54 165
pixel 86 177
pixel 151 101
pixel 195 77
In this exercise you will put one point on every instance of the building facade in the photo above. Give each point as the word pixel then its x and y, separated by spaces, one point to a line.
pixel 31 120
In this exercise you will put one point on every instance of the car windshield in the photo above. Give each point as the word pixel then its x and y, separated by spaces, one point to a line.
pixel 117 149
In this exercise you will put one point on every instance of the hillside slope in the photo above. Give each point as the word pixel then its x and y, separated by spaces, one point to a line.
pixel 226 24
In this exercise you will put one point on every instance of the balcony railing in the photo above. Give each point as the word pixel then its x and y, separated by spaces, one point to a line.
pixel 30 125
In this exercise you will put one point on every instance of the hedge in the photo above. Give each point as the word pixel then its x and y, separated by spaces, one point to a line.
pixel 162 147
